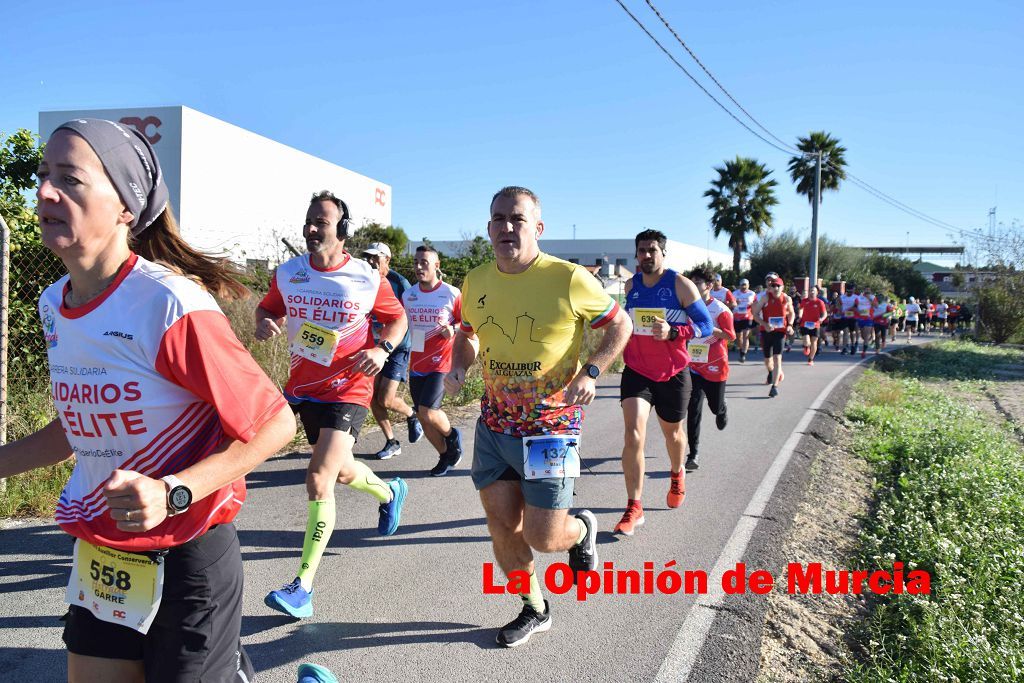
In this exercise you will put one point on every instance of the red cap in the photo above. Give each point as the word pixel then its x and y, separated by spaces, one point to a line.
pixel 776 281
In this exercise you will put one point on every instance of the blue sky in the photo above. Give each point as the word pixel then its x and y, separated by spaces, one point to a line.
pixel 449 101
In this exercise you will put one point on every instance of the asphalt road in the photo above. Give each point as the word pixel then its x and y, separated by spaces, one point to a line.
pixel 414 604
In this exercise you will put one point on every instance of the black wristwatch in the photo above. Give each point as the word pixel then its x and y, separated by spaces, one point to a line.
pixel 179 496
pixel 387 346
pixel 673 334
pixel 593 372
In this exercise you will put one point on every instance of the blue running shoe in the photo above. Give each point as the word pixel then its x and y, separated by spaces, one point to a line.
pixel 415 428
pixel 312 673
pixel 391 512
pixel 293 600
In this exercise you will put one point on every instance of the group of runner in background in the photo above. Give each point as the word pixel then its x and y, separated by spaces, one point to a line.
pixel 854 318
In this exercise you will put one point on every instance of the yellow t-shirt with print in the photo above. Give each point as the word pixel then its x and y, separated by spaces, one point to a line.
pixel 530 326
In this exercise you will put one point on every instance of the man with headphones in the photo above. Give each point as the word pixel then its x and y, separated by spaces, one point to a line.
pixel 327 298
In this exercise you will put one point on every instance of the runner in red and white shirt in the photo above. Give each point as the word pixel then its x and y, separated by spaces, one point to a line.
pixel 327 297
pixel 709 362
pixel 722 294
pixel 743 317
pixel 813 312
pixel 434 308
pixel 162 407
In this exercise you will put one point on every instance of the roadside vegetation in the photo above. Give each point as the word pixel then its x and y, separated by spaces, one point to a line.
pixel 949 499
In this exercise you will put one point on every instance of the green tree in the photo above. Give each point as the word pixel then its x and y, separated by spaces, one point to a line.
pixel 392 235
pixel 833 163
pixel 1001 306
pixel 33 266
pixel 741 199
pixel 906 281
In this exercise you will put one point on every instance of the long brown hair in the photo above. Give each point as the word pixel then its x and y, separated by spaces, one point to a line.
pixel 162 242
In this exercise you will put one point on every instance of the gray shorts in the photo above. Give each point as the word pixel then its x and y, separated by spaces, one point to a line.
pixel 500 457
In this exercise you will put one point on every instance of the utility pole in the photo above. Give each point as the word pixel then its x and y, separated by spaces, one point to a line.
pixel 814 221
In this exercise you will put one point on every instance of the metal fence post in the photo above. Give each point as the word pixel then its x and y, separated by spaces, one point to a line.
pixel 5 269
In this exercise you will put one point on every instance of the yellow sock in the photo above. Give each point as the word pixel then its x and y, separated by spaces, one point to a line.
pixel 368 482
pixel 534 598
pixel 583 531
pixel 318 532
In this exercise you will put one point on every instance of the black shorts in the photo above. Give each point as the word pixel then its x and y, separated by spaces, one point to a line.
pixel 850 324
pixel 396 367
pixel 669 398
pixel 345 417
pixel 741 325
pixel 195 635
pixel 427 390
pixel 912 325
pixel 772 344
pixel 808 331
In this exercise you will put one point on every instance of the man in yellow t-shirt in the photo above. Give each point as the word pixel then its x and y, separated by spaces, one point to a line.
pixel 525 315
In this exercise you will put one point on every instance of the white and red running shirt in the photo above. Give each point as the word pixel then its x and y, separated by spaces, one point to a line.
pixel 340 300
pixel 150 378
pixel 717 367
pixel 429 311
pixel 849 304
pixel 744 302
pixel 865 307
pixel 724 295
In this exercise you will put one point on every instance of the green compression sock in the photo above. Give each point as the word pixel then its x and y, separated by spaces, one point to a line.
pixel 368 482
pixel 318 532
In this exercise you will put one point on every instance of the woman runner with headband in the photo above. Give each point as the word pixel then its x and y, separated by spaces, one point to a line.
pixel 162 407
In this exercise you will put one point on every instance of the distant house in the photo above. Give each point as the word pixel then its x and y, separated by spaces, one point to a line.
pixel 943 278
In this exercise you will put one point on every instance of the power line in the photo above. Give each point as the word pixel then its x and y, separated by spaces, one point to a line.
pixel 792 150
pixel 696 82
pixel 786 148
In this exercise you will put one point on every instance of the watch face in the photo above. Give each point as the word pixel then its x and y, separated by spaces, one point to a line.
pixel 180 498
pixel 593 371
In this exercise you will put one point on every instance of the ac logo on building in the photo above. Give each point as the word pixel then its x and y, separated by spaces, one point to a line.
pixel 380 196
pixel 142 125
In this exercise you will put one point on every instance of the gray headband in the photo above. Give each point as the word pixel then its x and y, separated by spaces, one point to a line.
pixel 131 163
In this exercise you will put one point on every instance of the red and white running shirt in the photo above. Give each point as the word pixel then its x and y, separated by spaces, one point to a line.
pixel 724 295
pixel 340 300
pixel 429 311
pixel 744 302
pixel 148 377
pixel 849 305
pixel 865 307
pixel 717 367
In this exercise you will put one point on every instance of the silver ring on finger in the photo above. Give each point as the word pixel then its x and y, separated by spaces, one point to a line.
pixel 127 515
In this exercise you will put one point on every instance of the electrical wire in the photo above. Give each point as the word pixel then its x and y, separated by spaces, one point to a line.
pixel 785 148
pixel 792 150
pixel 698 83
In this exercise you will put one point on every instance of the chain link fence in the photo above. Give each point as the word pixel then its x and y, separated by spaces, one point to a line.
pixel 29 269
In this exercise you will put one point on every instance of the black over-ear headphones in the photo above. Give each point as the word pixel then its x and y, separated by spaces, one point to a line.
pixel 345 222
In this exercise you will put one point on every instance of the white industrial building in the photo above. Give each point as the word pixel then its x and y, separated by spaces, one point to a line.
pixel 614 258
pixel 234 191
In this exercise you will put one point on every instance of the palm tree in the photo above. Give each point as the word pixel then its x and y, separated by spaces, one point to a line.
pixel 741 199
pixel 833 163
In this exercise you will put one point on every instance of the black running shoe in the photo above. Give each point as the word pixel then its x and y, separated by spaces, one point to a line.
pixel 691 463
pixel 528 622
pixel 773 393
pixel 452 455
pixel 445 464
pixel 722 419
pixel 583 555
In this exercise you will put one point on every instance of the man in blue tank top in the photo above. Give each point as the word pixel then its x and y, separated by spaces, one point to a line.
pixel 667 311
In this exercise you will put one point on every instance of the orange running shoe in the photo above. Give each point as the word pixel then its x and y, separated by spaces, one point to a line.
pixel 676 490
pixel 631 519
